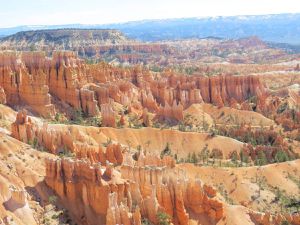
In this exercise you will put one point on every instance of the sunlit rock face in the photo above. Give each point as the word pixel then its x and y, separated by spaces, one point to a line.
pixel 98 193
pixel 24 81
pixel 39 82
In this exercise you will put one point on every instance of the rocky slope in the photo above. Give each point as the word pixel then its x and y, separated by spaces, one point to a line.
pixel 251 186
pixel 84 141
pixel 65 38
pixel 111 187
pixel 23 191
pixel 114 47
pixel 95 88
pixel 104 197
pixel 131 146
pixel 96 44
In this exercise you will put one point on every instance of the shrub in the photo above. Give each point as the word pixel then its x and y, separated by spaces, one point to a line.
pixel 216 154
pixel 284 222
pixel 261 159
pixel 52 199
pixel 181 127
pixel 35 143
pixel 194 158
pixel 108 142
pixel 146 222
pixel 165 151
pixel 77 116
pixel 58 117
pixel 281 156
pixel 65 153
pixel 163 218
pixel 94 121
pixel 234 157
pixel 244 157
pixel 55 216
pixel 204 154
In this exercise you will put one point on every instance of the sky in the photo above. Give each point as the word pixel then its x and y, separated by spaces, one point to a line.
pixel 57 12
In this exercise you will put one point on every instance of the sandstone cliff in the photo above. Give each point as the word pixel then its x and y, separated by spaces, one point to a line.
pixel 86 189
pixel 134 192
pixel 24 81
pixel 31 79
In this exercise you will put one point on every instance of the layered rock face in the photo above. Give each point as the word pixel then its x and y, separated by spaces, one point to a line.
pixel 219 90
pixel 133 53
pixel 89 43
pixel 112 154
pixel 164 190
pixel 24 82
pixel 18 197
pixel 59 141
pixel 153 160
pixel 96 194
pixel 30 78
pixel 119 213
pixel 174 112
pixel 66 77
pixel 108 115
pixel 86 188
pixel 22 128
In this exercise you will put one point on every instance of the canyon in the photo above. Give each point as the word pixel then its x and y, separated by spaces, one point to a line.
pixel 89 142
pixel 90 88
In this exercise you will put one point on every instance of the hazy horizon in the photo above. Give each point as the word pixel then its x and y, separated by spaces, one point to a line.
pixel 63 12
pixel 142 20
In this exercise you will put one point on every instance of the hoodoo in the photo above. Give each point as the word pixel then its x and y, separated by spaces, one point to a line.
pixel 100 127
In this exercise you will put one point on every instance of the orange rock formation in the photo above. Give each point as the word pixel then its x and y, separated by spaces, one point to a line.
pixel 86 191
pixel 137 190
pixel 34 79
pixel 24 81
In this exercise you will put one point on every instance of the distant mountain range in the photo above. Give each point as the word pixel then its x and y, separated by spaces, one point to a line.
pixel 280 28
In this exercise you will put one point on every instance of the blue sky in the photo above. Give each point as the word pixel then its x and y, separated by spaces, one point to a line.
pixel 45 12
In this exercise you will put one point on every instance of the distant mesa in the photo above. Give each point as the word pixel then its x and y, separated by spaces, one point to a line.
pixel 88 43
pixel 65 37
